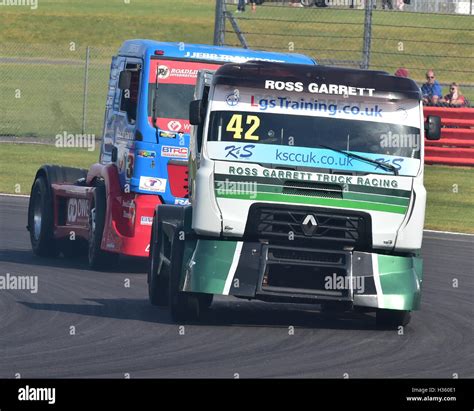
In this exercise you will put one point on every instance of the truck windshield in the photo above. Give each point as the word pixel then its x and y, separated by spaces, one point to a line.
pixel 173 100
pixel 176 80
pixel 313 132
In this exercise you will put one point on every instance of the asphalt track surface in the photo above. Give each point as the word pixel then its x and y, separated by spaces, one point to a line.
pixel 117 331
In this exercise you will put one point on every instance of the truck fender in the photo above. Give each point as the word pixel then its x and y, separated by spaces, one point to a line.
pixel 173 218
pixel 57 174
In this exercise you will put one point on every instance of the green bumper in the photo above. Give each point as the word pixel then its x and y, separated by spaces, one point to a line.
pixel 235 267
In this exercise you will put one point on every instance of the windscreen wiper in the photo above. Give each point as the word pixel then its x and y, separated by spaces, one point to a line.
pixel 155 107
pixel 386 166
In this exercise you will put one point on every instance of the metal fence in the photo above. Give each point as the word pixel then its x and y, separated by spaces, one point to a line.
pixel 47 90
pixel 375 34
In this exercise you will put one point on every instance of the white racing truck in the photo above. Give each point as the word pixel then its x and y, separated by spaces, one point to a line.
pixel 305 185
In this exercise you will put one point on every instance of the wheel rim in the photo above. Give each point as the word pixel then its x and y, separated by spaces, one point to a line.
pixel 37 217
pixel 156 267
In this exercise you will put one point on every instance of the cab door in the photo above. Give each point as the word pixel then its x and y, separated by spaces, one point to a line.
pixel 122 117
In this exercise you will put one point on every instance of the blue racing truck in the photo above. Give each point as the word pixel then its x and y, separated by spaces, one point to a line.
pixel 108 210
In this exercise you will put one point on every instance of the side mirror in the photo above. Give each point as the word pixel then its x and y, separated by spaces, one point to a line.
pixel 433 128
pixel 125 79
pixel 196 112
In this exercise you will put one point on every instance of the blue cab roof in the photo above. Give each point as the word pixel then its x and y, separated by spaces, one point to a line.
pixel 146 48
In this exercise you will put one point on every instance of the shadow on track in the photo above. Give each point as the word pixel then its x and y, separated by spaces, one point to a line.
pixel 230 313
pixel 129 265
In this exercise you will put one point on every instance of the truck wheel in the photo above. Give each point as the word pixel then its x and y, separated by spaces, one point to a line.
pixel 184 306
pixel 40 220
pixel 392 318
pixel 98 258
pixel 158 272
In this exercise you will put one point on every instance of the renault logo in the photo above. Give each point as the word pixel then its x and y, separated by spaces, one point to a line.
pixel 309 225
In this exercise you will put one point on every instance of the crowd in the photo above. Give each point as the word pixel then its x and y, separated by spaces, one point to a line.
pixel 433 94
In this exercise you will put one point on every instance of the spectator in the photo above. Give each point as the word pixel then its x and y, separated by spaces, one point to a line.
pixel 431 90
pixel 387 4
pixel 400 5
pixel 402 72
pixel 295 3
pixel 241 6
pixel 455 97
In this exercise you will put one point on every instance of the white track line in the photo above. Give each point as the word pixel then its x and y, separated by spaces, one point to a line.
pixel 447 232
pixel 15 195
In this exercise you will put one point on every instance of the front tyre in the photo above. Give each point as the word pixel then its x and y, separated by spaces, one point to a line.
pixel 392 318
pixel 41 220
pixel 184 306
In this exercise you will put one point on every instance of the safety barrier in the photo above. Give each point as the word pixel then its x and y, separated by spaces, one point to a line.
pixel 456 146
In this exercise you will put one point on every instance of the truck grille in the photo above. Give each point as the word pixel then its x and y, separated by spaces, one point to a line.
pixel 290 270
pixel 332 228
pixel 312 189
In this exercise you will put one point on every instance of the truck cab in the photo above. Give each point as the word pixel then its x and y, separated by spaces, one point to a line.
pixel 143 155
pixel 306 185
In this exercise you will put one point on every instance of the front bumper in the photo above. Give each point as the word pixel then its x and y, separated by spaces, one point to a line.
pixel 297 274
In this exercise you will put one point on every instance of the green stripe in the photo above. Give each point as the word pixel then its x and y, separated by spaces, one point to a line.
pixel 284 198
pixel 346 195
pixel 379 190
pixel 376 198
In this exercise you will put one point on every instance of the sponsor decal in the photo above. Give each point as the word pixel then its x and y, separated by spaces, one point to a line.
pixel 227 57
pixel 316 88
pixel 234 151
pixel 167 134
pixel 163 71
pixel 174 125
pixel 309 157
pixel 146 153
pixel 77 210
pixel 312 104
pixel 146 220
pixel 233 98
pixel 177 72
pixel 157 185
pixel 181 201
pixel 318 177
pixel 175 152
